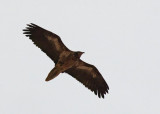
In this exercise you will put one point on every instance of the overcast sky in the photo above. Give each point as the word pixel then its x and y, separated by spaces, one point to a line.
pixel 120 37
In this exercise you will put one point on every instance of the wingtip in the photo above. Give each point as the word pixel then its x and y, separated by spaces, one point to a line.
pixel 34 25
pixel 28 29
pixel 31 25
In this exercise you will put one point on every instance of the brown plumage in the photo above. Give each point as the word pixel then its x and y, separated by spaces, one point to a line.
pixel 66 60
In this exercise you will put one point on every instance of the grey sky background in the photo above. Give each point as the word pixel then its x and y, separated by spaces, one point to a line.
pixel 120 37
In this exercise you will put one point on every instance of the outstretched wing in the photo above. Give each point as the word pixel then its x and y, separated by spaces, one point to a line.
pixel 47 41
pixel 90 77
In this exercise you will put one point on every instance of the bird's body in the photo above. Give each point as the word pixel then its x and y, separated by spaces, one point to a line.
pixel 66 60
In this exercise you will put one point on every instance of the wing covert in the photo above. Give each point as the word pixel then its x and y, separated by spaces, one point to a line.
pixel 47 41
pixel 89 76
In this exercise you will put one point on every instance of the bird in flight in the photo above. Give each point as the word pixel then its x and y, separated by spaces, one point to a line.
pixel 66 60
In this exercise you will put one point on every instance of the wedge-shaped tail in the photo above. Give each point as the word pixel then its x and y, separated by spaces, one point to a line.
pixel 53 73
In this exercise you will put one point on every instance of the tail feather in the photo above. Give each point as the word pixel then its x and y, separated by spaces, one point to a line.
pixel 53 73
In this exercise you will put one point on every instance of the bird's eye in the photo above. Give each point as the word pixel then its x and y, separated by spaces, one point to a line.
pixel 76 54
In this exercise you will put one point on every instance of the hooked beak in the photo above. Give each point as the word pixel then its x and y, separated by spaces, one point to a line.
pixel 82 53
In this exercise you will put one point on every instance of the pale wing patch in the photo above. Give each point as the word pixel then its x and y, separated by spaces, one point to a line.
pixel 94 75
pixel 89 69
pixel 85 68
pixel 64 54
pixel 56 43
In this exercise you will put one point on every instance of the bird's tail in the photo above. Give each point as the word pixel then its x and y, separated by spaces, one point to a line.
pixel 53 73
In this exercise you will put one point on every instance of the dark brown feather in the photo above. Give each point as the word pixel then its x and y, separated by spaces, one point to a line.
pixel 46 41
pixel 52 45
pixel 89 76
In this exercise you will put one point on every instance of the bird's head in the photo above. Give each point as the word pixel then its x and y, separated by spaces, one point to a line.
pixel 79 54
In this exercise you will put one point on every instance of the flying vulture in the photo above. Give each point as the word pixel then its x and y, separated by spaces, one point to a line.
pixel 66 60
